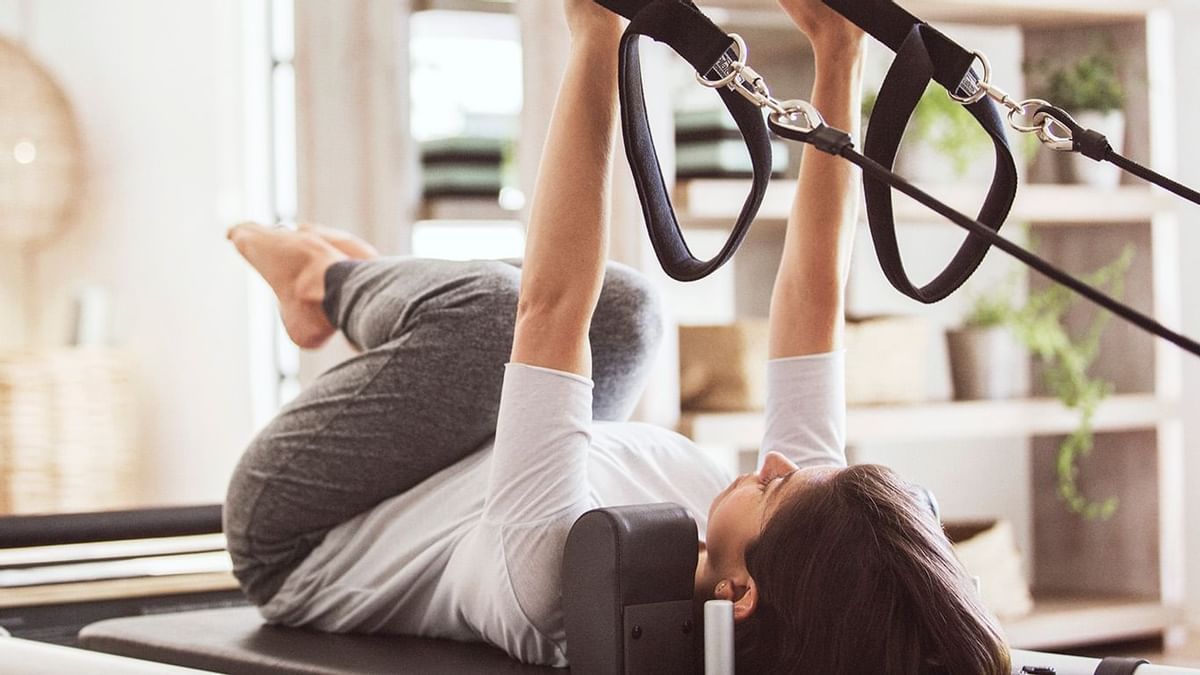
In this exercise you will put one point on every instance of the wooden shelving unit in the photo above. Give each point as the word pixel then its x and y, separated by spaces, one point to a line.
pixel 715 203
pixel 958 420
pixel 1062 622
pixel 464 209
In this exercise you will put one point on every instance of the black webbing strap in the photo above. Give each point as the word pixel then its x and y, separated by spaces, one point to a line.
pixel 898 96
pixel 836 142
pixel 891 24
pixel 1117 665
pixel 1095 145
pixel 682 26
pixel 922 54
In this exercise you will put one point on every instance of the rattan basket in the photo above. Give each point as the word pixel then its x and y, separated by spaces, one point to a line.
pixel 67 431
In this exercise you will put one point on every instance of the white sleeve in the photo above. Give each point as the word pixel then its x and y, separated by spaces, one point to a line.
pixel 539 459
pixel 806 409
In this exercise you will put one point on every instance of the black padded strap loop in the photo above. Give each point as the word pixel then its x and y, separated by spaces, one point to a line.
pixel 681 26
pixel 898 97
pixel 1115 665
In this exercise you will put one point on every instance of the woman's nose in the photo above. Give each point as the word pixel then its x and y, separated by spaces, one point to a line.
pixel 775 464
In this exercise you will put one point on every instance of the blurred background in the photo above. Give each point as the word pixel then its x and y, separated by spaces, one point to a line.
pixel 139 354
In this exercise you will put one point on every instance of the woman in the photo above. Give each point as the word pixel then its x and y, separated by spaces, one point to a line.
pixel 379 501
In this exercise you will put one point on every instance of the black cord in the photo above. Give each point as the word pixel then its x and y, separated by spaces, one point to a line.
pixel 877 171
pixel 1093 145
pixel 1151 176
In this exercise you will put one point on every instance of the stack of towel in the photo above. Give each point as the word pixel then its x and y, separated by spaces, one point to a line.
pixel 464 166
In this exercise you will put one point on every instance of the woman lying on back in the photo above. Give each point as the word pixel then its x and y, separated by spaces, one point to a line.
pixel 379 500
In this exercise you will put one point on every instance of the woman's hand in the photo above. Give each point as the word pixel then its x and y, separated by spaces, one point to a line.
pixel 586 19
pixel 824 27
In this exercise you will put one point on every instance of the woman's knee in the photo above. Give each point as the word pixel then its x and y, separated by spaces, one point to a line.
pixel 491 285
pixel 629 311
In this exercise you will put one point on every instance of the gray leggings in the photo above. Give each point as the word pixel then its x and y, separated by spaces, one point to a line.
pixel 422 395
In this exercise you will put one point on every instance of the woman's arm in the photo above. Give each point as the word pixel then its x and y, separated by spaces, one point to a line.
pixel 807 303
pixel 567 238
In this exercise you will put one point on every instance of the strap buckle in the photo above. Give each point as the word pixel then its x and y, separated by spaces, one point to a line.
pixel 983 87
pixel 728 68
pixel 736 74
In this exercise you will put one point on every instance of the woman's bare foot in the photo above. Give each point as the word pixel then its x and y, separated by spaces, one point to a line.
pixel 294 265
pixel 343 241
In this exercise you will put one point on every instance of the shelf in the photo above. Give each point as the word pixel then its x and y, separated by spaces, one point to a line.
pixel 1020 12
pixel 709 203
pixel 465 209
pixel 1067 622
pixel 958 420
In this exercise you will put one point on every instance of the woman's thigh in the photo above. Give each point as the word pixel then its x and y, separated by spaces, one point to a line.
pixel 423 395
pixel 373 426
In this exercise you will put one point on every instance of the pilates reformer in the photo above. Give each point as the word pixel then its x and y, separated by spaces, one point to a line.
pixel 628 570
pixel 627 600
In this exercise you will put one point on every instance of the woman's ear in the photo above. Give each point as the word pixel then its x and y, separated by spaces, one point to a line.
pixel 745 603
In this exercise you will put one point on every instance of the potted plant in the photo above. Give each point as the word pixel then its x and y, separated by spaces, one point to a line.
pixel 1091 91
pixel 987 361
pixel 1065 361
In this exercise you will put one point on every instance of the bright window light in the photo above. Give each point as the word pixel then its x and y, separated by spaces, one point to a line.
pixel 473 61
pixel 466 240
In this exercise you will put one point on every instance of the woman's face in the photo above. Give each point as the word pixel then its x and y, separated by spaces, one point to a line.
pixel 738 514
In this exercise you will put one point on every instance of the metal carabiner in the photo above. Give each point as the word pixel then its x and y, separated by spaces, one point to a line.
pixel 1022 108
pixel 793 108
pixel 1064 142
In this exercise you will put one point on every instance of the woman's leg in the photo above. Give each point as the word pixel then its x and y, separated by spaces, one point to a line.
pixel 422 395
pixel 625 333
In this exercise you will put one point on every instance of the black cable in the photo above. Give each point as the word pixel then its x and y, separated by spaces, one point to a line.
pixel 875 170
pixel 1151 176
pixel 1094 145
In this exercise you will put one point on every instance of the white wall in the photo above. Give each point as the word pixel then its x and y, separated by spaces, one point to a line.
pixel 1187 54
pixel 157 89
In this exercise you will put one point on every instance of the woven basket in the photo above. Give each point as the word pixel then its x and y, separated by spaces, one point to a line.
pixel 67 434
pixel 721 368
pixel 41 169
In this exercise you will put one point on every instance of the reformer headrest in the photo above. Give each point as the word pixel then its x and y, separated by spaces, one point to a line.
pixel 628 580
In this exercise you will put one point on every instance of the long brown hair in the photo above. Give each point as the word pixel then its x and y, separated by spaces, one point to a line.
pixel 855 575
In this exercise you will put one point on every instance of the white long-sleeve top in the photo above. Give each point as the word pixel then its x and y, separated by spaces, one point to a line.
pixel 474 552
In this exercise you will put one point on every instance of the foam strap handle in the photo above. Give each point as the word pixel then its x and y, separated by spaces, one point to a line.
pixel 898 97
pixel 680 25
